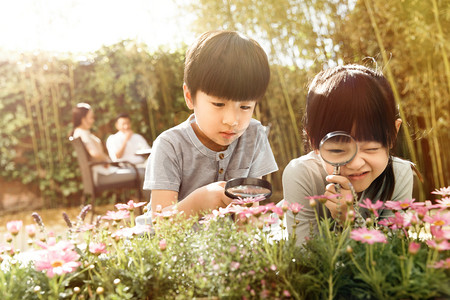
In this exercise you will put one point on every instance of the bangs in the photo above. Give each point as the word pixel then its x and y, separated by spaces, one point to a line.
pixel 354 104
pixel 228 66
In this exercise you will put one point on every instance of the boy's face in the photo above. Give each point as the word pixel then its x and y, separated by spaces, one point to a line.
pixel 221 121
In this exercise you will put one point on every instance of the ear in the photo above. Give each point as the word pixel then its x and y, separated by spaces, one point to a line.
pixel 398 123
pixel 188 97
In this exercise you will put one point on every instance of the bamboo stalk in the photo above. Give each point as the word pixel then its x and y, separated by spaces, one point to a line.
pixel 442 41
pixel 391 80
pixel 57 122
pixel 39 117
pixel 435 148
pixel 31 124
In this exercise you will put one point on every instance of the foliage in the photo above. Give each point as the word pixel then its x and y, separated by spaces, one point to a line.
pixel 38 91
pixel 181 258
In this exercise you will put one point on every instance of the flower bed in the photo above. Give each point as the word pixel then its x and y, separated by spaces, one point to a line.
pixel 113 259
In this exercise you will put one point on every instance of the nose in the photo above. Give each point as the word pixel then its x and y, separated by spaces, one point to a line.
pixel 357 162
pixel 231 117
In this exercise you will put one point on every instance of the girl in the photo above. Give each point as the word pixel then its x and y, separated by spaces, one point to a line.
pixel 83 120
pixel 359 101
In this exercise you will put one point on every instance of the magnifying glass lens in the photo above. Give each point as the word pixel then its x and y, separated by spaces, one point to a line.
pixel 338 148
pixel 245 191
pixel 248 187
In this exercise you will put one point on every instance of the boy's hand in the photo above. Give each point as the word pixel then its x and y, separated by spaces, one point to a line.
pixel 214 195
pixel 338 205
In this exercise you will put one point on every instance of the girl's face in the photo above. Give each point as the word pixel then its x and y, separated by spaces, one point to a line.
pixel 88 120
pixel 370 161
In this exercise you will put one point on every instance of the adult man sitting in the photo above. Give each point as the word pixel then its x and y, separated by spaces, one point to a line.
pixel 123 145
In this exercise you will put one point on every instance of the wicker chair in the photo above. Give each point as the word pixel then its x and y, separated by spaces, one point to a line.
pixel 90 188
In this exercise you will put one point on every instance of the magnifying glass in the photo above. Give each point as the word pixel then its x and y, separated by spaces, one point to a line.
pixel 338 148
pixel 248 187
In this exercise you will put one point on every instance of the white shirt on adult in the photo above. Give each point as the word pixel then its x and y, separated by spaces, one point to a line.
pixel 135 143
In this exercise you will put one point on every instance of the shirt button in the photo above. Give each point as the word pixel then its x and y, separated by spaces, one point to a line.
pixel 221 155
pixel 220 171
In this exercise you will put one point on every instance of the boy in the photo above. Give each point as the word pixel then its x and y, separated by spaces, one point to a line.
pixel 225 75
pixel 122 145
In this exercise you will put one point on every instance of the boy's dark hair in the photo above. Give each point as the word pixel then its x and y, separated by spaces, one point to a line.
pixel 357 100
pixel 122 115
pixel 227 65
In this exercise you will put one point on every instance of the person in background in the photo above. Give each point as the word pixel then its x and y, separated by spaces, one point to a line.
pixel 359 101
pixel 225 76
pixel 124 144
pixel 83 120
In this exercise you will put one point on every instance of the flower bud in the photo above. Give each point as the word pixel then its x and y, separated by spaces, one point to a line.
pixel 312 203
pixel 116 281
pixel 100 290
pixel 76 290
pixel 349 249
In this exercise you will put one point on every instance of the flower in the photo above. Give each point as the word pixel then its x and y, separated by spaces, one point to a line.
pixel 116 215
pixel 442 264
pixel 403 205
pixel 128 232
pixel 438 219
pixel 439 246
pixel 443 191
pixel 14 226
pixel 373 207
pixel 413 248
pixel 97 248
pixel 162 244
pixel 57 258
pixel 368 236
pixel 295 207
pixel 130 206
pixel 31 230
pixel 443 203
pixel 247 201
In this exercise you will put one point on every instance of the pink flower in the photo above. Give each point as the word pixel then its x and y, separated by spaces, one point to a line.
pixel 31 230
pixel 58 262
pixel 130 206
pixel 373 207
pixel 57 258
pixel 438 219
pixel 443 264
pixel 248 201
pixel 443 191
pixel 295 207
pixel 116 215
pixel 97 248
pixel 234 265
pixel 443 203
pixel 413 248
pixel 440 246
pixel 368 236
pixel 162 244
pixel 402 205
pixel 14 226
pixel 439 234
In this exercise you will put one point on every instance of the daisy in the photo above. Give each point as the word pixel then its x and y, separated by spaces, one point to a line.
pixel 368 236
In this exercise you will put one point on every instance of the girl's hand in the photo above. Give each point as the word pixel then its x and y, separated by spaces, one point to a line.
pixel 338 205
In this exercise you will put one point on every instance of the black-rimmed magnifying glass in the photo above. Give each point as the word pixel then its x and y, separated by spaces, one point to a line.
pixel 248 187
pixel 338 148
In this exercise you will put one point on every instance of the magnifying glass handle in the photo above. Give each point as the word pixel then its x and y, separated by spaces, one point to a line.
pixel 337 171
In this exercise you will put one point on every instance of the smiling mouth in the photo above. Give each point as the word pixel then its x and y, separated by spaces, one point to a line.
pixel 358 176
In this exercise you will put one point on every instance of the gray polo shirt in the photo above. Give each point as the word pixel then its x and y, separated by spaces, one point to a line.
pixel 180 162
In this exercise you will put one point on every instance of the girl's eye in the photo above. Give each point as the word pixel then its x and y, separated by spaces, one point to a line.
pixel 246 107
pixel 218 104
